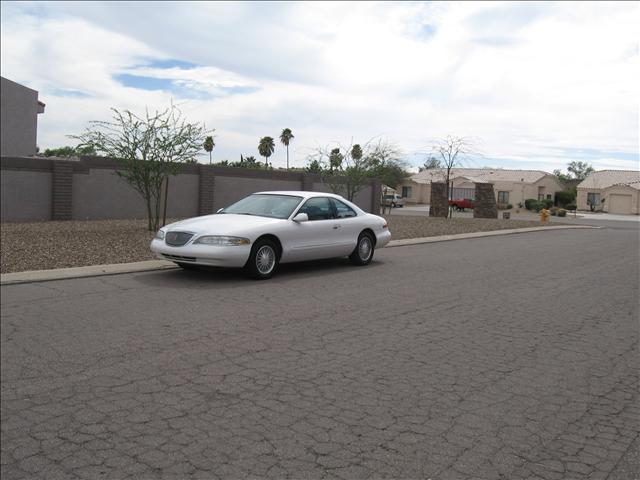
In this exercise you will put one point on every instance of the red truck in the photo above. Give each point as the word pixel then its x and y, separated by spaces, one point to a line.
pixel 461 203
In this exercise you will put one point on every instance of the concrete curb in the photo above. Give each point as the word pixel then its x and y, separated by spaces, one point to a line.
pixel 150 265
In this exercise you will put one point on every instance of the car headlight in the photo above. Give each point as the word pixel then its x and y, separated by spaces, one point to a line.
pixel 160 234
pixel 222 240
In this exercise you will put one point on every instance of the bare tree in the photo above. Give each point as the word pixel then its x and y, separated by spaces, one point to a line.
pixel 452 151
pixel 150 148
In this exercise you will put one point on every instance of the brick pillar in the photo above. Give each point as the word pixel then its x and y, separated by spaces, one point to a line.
pixel 61 190
pixel 484 206
pixel 439 202
pixel 376 196
pixel 206 184
pixel 307 182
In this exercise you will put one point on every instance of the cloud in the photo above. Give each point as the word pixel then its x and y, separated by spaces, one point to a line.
pixel 540 83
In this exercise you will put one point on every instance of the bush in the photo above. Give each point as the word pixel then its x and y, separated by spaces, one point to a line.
pixel 562 212
pixel 509 206
pixel 547 203
pixel 565 197
pixel 530 203
pixel 554 211
pixel 571 207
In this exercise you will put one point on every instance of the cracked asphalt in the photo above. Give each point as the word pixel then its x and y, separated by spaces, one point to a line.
pixel 510 357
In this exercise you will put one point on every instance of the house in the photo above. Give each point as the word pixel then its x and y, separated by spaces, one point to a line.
pixel 510 186
pixel 612 191
pixel 19 108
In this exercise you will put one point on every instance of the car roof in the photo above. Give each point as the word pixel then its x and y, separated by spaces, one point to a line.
pixel 300 193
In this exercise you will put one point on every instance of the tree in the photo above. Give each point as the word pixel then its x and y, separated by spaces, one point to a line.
pixel 285 137
pixel 149 149
pixel 383 161
pixel 76 151
pixel 580 170
pixel 452 151
pixel 349 172
pixel 208 146
pixel 266 148
pixel 562 177
pixel 430 164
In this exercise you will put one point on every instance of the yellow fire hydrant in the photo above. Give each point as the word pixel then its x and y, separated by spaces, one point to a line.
pixel 544 216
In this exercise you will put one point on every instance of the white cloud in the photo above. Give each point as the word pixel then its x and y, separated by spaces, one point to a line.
pixel 536 82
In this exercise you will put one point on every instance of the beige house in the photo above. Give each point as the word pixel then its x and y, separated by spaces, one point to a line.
pixel 510 186
pixel 612 191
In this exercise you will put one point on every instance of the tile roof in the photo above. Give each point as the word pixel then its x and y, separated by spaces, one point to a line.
pixel 480 175
pixel 609 178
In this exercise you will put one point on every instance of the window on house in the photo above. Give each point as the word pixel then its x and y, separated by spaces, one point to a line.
pixel 548 197
pixel 406 192
pixel 593 199
pixel 503 197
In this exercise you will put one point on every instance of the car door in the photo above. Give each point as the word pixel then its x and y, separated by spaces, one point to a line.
pixel 315 238
pixel 346 226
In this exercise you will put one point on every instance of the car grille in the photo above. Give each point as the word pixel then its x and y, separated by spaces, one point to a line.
pixel 177 239
pixel 179 258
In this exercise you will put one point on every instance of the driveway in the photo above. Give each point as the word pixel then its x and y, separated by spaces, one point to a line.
pixel 510 357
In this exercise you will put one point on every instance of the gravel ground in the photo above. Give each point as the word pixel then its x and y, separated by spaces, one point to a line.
pixel 47 245
pixel 405 226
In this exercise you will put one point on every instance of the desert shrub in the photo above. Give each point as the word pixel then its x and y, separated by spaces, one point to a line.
pixel 565 197
pixel 554 211
pixel 571 207
pixel 546 203
pixel 530 203
pixel 562 212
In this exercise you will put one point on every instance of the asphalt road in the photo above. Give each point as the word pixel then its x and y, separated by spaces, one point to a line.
pixel 506 357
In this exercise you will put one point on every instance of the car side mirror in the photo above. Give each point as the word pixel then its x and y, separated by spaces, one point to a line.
pixel 220 210
pixel 301 217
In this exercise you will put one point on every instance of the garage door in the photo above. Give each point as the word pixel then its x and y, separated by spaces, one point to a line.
pixel 620 204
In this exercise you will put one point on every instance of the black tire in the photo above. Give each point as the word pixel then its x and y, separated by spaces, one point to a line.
pixel 263 260
pixel 362 254
pixel 187 266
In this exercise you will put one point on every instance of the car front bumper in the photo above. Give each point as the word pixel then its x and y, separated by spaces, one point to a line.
pixel 212 255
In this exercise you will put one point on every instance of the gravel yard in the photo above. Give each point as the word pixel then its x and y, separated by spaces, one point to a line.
pixel 47 245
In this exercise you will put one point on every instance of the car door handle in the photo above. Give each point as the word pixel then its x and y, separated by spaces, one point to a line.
pixel 335 227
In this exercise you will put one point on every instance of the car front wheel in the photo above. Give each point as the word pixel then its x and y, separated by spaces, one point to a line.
pixel 263 260
pixel 363 252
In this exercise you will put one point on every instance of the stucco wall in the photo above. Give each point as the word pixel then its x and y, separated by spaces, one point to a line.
pixel 18 119
pixel 36 188
pixel 25 195
pixel 101 194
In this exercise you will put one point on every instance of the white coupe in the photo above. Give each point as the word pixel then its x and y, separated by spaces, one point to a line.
pixel 267 228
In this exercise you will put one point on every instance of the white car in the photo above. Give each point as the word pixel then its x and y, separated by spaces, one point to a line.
pixel 267 228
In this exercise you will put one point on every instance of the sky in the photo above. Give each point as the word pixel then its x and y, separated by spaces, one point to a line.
pixel 536 85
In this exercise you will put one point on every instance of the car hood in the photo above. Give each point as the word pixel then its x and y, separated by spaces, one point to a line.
pixel 223 224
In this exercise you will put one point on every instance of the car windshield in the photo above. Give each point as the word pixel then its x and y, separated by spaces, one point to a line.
pixel 274 206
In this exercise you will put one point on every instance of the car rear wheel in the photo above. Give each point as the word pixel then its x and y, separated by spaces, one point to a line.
pixel 363 252
pixel 263 260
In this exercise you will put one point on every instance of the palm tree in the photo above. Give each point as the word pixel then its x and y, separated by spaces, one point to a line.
pixel 266 148
pixel 208 146
pixel 285 137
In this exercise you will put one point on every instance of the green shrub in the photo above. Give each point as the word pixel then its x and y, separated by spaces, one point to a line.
pixel 571 206
pixel 509 206
pixel 547 203
pixel 530 203
pixel 565 197
pixel 562 212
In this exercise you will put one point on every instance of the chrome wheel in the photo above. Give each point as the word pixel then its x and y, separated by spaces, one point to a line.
pixel 365 248
pixel 265 259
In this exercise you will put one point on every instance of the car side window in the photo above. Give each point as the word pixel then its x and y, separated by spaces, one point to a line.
pixel 317 208
pixel 342 209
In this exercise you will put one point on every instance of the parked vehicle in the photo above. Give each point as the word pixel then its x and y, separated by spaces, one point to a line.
pixel 461 203
pixel 393 200
pixel 268 228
